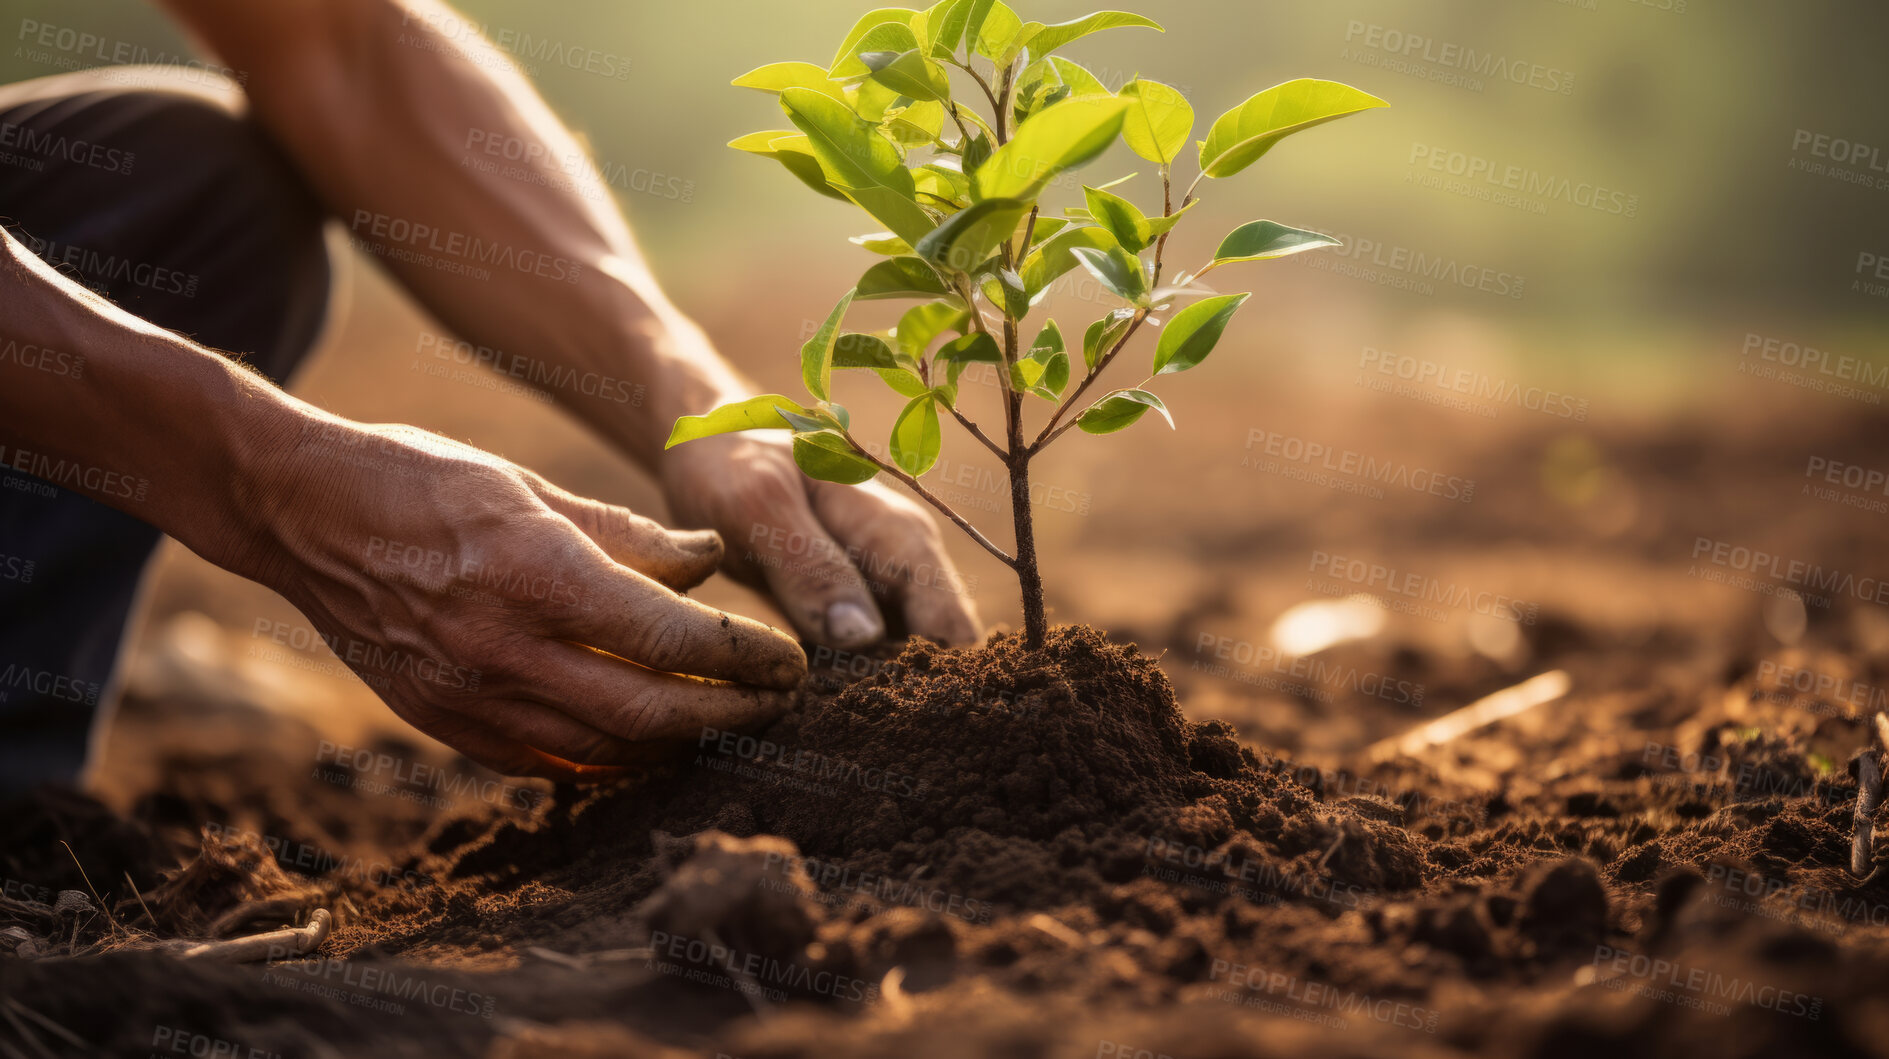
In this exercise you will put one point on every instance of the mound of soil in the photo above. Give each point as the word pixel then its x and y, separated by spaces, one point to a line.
pixel 972 781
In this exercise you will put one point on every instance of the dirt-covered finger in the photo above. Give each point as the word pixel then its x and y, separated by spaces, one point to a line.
pixel 507 757
pixel 644 706
pixel 633 617
pixel 680 559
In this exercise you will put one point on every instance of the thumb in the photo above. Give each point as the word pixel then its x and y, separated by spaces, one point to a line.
pixel 813 579
pixel 680 559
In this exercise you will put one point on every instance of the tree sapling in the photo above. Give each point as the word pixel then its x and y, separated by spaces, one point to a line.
pixel 960 194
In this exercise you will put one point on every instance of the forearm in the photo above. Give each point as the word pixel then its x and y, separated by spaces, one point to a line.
pixel 383 113
pixel 103 404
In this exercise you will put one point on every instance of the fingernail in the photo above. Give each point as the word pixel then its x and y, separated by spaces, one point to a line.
pixel 701 542
pixel 851 625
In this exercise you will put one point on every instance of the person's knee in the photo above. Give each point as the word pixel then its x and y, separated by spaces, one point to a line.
pixel 211 200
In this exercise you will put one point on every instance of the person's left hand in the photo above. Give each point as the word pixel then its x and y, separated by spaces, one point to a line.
pixel 848 565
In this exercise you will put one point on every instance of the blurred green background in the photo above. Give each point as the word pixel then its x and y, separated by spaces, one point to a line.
pixel 1692 107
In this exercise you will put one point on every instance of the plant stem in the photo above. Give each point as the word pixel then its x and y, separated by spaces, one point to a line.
pixel 1029 575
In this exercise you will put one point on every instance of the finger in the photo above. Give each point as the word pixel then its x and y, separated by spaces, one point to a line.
pixel 644 706
pixel 812 578
pixel 541 727
pixel 680 559
pixel 509 758
pixel 635 618
pixel 898 545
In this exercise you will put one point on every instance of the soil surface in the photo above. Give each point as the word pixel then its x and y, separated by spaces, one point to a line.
pixel 994 852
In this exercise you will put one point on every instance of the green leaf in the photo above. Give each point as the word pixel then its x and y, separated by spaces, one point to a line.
pixel 1045 371
pixel 1055 258
pixel 1159 121
pixel 969 237
pixel 1193 332
pixel 776 78
pixel 910 74
pixel 1246 132
pixel 870 34
pixel 860 162
pixel 882 243
pixel 975 348
pixel 1062 137
pixel 944 184
pixel 871 352
pixel 1049 81
pixel 975 153
pixel 1015 300
pixel 792 150
pixel 917 125
pixel 1263 240
pixel 1104 334
pixel 922 324
pixel 1041 39
pixel 1119 271
pixel 755 413
pixel 1120 410
pixel 816 357
pixel 871 100
pixel 999 37
pixel 916 439
pixel 1127 224
pixel 857 349
pixel 826 456
pixel 1045 228
pixel 901 277
pixel 945 24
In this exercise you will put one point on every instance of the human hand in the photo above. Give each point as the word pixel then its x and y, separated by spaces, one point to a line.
pixel 847 564
pixel 536 632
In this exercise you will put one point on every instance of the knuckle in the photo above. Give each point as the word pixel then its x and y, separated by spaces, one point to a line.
pixel 664 644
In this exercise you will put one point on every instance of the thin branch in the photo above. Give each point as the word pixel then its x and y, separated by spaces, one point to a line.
pixel 918 488
pixel 979 78
pixel 980 435
pixel 1050 432
pixel 1029 231
pixel 963 130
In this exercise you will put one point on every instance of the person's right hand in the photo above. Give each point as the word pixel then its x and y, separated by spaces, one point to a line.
pixel 536 632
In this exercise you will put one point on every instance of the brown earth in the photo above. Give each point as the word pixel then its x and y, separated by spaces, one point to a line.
pixel 994 853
